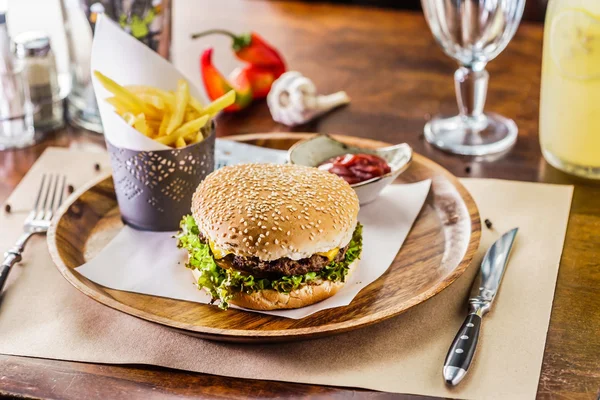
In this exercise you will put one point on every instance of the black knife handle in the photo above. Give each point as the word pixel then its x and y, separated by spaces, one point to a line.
pixel 4 270
pixel 462 350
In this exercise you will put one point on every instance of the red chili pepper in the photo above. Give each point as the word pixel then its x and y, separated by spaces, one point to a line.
pixel 216 85
pixel 261 79
pixel 265 65
pixel 251 48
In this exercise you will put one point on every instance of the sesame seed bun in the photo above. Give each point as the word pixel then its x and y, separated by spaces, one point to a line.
pixel 273 211
pixel 267 300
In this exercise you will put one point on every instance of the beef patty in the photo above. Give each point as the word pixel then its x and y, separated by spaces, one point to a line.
pixel 277 268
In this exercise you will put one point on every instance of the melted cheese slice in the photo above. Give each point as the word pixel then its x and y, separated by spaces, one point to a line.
pixel 218 253
pixel 330 254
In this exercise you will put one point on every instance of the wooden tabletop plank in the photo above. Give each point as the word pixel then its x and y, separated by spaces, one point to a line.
pixel 397 77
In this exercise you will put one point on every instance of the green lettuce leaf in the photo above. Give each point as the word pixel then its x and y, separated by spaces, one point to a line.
pixel 223 284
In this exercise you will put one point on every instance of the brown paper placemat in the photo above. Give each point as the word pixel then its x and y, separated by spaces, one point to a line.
pixel 43 316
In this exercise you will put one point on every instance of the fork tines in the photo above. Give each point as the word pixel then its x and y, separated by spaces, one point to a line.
pixel 50 194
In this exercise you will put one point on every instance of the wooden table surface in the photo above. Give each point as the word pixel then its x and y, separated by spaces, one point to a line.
pixel 397 77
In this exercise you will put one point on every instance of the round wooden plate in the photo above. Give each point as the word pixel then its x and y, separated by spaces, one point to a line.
pixel 436 252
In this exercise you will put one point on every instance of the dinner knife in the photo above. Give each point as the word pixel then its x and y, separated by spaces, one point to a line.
pixel 463 347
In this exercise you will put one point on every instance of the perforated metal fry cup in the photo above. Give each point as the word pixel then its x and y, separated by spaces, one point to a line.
pixel 154 188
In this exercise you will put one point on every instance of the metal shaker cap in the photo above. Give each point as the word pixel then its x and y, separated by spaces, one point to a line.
pixel 31 44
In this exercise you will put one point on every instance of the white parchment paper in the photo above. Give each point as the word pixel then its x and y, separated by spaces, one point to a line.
pixel 150 263
pixel 125 60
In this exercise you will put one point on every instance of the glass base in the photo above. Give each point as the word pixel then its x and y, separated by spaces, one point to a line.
pixel 16 134
pixel 490 134
pixel 82 115
pixel 16 145
pixel 570 168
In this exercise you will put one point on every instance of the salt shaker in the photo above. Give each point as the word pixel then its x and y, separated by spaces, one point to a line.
pixel 34 54
pixel 16 121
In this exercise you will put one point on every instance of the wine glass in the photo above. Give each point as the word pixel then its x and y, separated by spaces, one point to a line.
pixel 473 32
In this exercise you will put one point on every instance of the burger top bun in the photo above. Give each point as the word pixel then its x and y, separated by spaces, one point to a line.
pixel 272 211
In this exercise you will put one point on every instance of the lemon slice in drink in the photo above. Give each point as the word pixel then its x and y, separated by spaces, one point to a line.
pixel 575 44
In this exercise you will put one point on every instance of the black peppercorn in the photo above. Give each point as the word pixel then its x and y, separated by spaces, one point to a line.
pixel 488 223
pixel 7 208
pixel 70 189
pixel 468 169
pixel 97 167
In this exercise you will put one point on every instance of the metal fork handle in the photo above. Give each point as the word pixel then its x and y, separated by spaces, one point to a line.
pixel 13 256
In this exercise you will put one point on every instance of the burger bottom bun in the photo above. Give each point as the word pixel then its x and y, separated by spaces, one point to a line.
pixel 267 300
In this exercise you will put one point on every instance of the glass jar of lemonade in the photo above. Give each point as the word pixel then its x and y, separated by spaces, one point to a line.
pixel 570 92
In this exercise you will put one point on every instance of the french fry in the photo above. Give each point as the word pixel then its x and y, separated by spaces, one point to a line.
pixel 154 124
pixel 180 142
pixel 136 121
pixel 132 101
pixel 188 131
pixel 196 105
pixel 153 127
pixel 152 112
pixel 162 129
pixel 167 97
pixel 182 97
pixel 129 118
pixel 140 124
pixel 154 100
pixel 135 103
pixel 199 137
pixel 119 105
pixel 173 118
pixel 152 132
pixel 191 114
pixel 222 102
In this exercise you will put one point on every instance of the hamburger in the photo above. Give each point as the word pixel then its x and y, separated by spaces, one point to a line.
pixel 269 237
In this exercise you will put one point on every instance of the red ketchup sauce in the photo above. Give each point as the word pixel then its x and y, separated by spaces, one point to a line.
pixel 355 168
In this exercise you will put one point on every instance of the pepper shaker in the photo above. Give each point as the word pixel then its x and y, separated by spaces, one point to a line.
pixel 34 53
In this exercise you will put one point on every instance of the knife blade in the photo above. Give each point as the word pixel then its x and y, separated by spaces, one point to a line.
pixel 463 347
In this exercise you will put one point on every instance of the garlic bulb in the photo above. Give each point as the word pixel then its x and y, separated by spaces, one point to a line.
pixel 293 99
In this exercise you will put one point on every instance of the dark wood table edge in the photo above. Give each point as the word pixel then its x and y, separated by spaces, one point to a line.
pixel 110 372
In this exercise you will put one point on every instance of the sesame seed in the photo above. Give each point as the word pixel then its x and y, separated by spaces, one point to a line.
pixel 266 199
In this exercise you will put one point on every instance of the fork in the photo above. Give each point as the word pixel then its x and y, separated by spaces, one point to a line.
pixel 38 220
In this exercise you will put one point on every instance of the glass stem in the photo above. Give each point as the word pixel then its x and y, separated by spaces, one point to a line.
pixel 471 89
